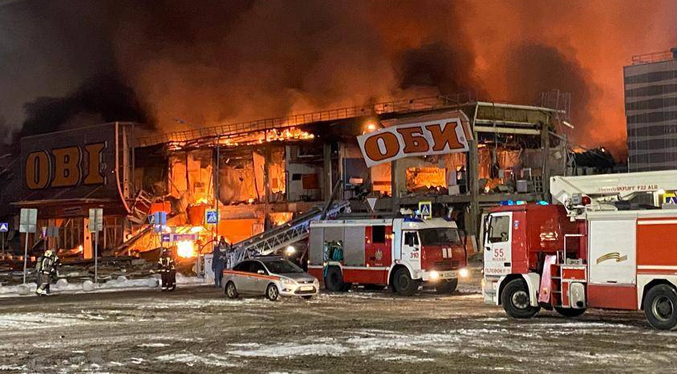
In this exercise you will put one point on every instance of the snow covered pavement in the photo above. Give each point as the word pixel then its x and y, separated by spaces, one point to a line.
pixel 197 330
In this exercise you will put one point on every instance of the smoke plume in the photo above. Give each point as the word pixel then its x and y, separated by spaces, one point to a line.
pixel 178 63
pixel 100 99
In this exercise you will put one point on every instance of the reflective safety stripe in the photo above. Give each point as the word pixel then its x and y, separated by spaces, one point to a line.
pixel 255 275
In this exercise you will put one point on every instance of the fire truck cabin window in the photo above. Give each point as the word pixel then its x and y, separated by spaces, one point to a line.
pixel 439 237
pixel 498 230
pixel 378 234
pixel 410 239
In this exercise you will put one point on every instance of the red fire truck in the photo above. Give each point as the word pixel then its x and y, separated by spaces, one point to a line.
pixel 401 253
pixel 611 243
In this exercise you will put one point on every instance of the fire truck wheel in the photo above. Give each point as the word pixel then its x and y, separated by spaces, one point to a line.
pixel 660 307
pixel 569 312
pixel 447 286
pixel 333 281
pixel 515 300
pixel 272 293
pixel 231 291
pixel 403 283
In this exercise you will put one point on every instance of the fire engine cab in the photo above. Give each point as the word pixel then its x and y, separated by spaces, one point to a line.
pixel 402 253
pixel 610 243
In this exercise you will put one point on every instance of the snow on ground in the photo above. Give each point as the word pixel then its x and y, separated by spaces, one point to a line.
pixel 153 345
pixel 191 359
pixel 118 284
pixel 292 350
pixel 198 330
pixel 12 321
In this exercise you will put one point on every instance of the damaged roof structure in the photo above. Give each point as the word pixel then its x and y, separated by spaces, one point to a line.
pixel 263 173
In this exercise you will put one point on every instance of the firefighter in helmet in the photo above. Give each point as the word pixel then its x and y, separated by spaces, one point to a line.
pixel 46 268
pixel 167 270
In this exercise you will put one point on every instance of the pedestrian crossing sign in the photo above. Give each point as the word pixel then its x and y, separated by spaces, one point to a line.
pixel 4 227
pixel 211 217
pixel 425 209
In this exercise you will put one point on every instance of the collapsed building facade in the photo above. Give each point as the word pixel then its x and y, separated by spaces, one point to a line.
pixel 263 173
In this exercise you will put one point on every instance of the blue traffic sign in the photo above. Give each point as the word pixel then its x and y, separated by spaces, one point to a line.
pixel 212 217
pixel 4 227
pixel 425 209
pixel 160 218
pixel 178 237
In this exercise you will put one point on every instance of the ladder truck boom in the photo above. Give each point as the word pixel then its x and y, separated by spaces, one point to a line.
pixel 605 187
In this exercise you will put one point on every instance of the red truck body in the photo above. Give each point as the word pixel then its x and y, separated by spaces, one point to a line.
pixel 539 256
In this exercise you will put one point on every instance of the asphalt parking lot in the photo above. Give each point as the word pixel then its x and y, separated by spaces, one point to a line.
pixel 198 330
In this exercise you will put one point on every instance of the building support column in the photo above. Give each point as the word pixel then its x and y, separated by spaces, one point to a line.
pixel 87 250
pixel 398 183
pixel 472 167
pixel 545 146
pixel 327 183
pixel 267 194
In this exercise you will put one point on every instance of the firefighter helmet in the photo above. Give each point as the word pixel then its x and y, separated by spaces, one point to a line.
pixel 49 253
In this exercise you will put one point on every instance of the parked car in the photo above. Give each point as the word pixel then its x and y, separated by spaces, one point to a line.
pixel 270 276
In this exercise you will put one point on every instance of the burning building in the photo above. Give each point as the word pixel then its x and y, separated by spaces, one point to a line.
pixel 64 174
pixel 262 173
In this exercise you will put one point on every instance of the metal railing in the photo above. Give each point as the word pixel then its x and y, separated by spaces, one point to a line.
pixel 653 57
pixel 395 106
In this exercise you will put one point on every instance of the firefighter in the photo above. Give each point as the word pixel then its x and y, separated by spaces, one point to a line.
pixel 167 270
pixel 47 271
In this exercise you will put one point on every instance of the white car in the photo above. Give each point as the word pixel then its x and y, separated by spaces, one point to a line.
pixel 270 276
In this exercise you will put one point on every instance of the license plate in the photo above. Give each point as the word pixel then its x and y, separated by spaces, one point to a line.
pixel 307 288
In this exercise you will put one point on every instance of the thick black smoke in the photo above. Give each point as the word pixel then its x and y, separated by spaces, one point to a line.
pixel 214 61
pixel 437 65
pixel 533 68
pixel 208 62
pixel 103 98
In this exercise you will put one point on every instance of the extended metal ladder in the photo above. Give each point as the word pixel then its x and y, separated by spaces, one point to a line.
pixel 279 237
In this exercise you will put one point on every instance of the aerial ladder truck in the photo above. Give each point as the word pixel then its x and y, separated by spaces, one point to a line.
pixel 607 241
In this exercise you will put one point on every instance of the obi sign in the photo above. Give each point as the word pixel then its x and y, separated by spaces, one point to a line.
pixel 65 167
pixel 421 136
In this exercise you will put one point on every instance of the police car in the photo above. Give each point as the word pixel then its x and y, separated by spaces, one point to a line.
pixel 270 276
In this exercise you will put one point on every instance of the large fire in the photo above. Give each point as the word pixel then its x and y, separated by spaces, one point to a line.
pixel 267 136
pixel 425 177
pixel 185 249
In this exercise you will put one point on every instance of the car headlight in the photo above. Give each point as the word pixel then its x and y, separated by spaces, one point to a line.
pixel 288 282
pixel 434 275
pixel 463 273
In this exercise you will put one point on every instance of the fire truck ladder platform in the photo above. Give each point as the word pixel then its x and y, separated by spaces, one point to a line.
pixel 279 237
